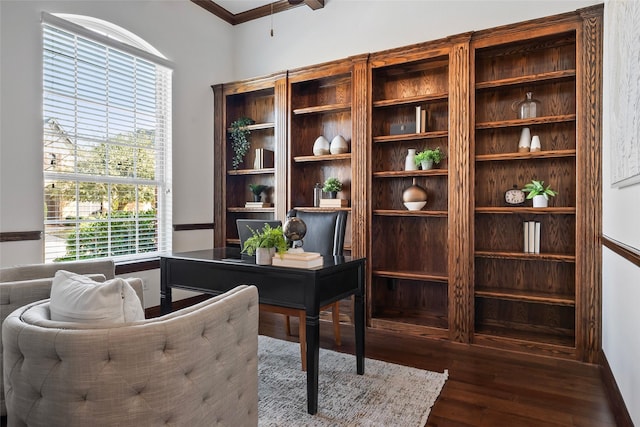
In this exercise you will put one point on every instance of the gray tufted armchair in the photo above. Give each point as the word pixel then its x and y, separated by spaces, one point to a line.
pixel 193 367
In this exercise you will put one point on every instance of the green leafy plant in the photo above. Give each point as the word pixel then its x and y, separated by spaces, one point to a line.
pixel 257 189
pixel 268 237
pixel 131 236
pixel 436 155
pixel 332 185
pixel 537 188
pixel 240 139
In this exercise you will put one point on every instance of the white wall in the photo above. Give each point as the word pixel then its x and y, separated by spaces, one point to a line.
pixel 621 279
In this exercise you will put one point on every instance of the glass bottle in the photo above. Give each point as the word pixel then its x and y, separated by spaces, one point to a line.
pixel 317 194
pixel 528 108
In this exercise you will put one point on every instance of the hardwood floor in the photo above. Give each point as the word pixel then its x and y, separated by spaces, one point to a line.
pixel 485 388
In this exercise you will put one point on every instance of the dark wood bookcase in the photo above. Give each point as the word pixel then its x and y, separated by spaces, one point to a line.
pixel 261 100
pixel 456 269
pixel 536 301
pixel 408 249
pixel 321 103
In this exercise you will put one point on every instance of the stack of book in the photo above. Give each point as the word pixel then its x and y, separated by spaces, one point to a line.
pixel 298 260
pixel 421 119
pixel 264 159
pixel 258 205
pixel 532 237
pixel 334 203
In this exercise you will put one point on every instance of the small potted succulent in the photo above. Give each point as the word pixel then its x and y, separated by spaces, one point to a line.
pixel 427 158
pixel 265 243
pixel 257 190
pixel 332 186
pixel 538 193
pixel 240 139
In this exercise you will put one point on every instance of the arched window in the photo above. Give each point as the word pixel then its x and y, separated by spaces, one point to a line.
pixel 107 124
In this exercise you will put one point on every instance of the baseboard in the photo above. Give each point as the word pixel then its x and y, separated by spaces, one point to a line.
pixel 618 407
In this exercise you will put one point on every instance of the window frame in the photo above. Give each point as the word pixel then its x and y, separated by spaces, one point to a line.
pixel 116 38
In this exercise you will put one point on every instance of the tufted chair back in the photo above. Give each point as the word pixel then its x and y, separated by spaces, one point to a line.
pixel 23 284
pixel 193 367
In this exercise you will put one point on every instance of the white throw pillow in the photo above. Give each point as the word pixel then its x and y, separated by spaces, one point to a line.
pixel 78 298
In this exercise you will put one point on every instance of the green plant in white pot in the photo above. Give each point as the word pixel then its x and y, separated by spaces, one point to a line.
pixel 265 243
pixel 427 158
pixel 538 193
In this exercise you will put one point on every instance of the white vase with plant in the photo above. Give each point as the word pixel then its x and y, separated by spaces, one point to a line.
pixel 538 193
pixel 261 243
pixel 427 158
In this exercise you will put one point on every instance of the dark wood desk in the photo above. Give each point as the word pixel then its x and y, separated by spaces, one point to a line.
pixel 218 270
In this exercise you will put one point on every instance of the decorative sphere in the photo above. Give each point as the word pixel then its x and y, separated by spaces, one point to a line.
pixel 294 229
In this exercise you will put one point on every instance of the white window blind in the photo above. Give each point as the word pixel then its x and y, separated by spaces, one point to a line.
pixel 107 147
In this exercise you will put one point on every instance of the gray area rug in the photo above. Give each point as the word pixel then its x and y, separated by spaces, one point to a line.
pixel 386 395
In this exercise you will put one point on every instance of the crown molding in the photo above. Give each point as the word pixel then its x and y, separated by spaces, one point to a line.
pixel 258 12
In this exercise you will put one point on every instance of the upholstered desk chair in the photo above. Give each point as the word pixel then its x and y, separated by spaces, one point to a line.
pixel 325 235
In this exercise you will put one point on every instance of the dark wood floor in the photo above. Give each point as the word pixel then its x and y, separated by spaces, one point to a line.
pixel 485 388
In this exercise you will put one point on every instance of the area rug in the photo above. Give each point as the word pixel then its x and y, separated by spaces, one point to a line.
pixel 386 395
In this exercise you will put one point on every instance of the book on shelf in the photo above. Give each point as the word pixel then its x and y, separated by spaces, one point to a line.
pixel 421 119
pixel 334 203
pixel 264 159
pixel 258 205
pixel 287 261
pixel 532 237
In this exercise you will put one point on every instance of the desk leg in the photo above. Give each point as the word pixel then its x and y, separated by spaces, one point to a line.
pixel 165 289
pixel 313 355
pixel 359 322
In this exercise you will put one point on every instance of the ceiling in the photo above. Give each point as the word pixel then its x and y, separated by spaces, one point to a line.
pixel 236 12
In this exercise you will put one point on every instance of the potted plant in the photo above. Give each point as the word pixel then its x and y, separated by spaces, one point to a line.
pixel 257 190
pixel 332 186
pixel 539 193
pixel 240 141
pixel 265 243
pixel 428 158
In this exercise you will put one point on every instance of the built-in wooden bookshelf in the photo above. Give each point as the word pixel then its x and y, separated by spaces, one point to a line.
pixel 456 269
pixel 258 100
pixel 524 300
pixel 407 287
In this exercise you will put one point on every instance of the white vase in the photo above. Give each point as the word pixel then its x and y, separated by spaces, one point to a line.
pixel 540 201
pixel 321 146
pixel 525 141
pixel 410 161
pixel 263 256
pixel 535 144
pixel 338 145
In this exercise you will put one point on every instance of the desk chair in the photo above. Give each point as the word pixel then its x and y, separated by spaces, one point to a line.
pixel 325 235
pixel 245 226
